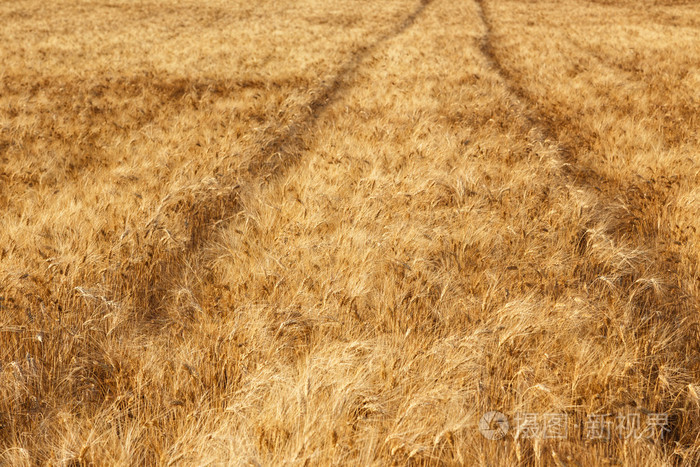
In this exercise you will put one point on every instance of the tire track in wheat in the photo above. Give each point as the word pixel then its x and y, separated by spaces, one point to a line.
pixel 626 210
pixel 608 192
pixel 206 213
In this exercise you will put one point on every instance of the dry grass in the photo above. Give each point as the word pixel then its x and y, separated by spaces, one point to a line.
pixel 302 232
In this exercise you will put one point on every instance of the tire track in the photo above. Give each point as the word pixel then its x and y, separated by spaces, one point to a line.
pixel 207 212
pixel 544 126
pixel 609 193
pixel 628 207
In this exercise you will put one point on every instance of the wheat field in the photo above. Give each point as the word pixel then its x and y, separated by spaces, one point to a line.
pixel 304 232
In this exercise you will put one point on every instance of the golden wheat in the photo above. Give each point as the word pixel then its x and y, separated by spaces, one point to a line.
pixel 307 232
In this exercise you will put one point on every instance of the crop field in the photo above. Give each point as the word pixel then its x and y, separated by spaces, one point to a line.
pixel 307 232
